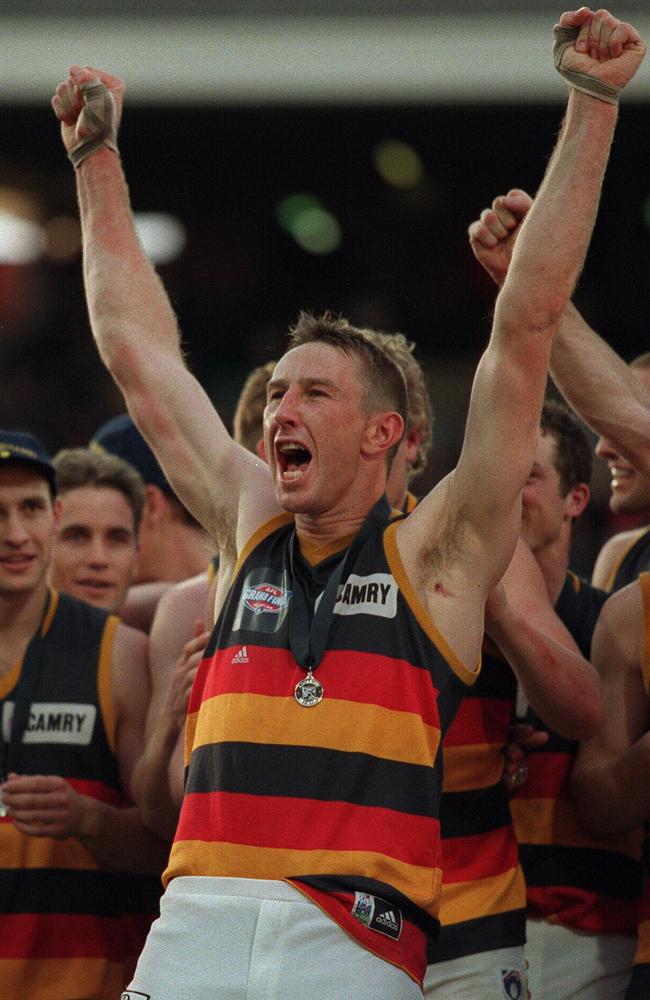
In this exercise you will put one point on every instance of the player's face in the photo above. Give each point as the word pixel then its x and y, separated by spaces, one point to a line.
pixel 95 547
pixel 26 529
pixel 543 508
pixel 630 489
pixel 313 427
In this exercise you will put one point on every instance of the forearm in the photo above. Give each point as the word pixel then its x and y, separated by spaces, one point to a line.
pixel 613 796
pixel 129 311
pixel 151 785
pixel 558 683
pixel 551 247
pixel 119 840
pixel 601 388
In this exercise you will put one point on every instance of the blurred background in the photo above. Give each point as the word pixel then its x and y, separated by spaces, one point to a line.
pixel 285 155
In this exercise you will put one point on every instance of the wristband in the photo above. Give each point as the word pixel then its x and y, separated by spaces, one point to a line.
pixel 563 39
pixel 98 116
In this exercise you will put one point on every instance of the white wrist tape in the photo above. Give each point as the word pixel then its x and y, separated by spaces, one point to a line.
pixel 563 39
pixel 98 120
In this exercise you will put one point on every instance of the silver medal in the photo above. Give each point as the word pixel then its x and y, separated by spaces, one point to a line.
pixel 308 692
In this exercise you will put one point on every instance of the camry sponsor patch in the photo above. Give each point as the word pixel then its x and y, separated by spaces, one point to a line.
pixel 377 914
pixel 375 594
pixel 54 722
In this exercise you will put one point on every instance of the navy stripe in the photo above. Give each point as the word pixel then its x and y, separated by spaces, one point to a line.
pixel 471 937
pixel 639 988
pixel 43 890
pixel 306 772
pixel 466 814
pixel 606 872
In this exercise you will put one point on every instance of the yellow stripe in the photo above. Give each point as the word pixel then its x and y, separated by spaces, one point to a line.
pixel 10 679
pixel 20 851
pixel 336 725
pixel 191 857
pixel 104 680
pixel 553 822
pixel 482 897
pixel 644 581
pixel 191 722
pixel 424 621
pixel 36 979
pixel 258 536
pixel 617 565
pixel 643 948
pixel 470 767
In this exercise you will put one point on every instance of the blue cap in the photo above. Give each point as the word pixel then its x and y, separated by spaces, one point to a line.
pixel 23 447
pixel 119 436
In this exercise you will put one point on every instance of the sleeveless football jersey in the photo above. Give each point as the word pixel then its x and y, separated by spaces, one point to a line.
pixel 340 799
pixel 640 983
pixel 483 905
pixel 572 879
pixel 63 930
pixel 634 561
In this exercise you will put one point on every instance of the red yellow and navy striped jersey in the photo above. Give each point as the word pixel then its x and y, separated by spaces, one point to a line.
pixel 340 799
pixel 572 879
pixel 62 918
pixel 483 903
pixel 641 973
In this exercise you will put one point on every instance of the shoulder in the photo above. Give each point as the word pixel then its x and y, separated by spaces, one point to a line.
pixel 612 553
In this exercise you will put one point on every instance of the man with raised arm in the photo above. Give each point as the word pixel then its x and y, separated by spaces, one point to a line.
pixel 345 639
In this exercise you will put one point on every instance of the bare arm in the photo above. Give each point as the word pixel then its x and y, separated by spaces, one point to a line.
pixel 558 683
pixel 610 775
pixel 480 500
pixel 159 773
pixel 226 488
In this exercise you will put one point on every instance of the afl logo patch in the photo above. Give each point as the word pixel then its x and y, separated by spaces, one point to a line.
pixel 265 598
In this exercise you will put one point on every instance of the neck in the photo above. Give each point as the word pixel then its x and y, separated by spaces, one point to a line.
pixel 20 615
pixel 179 553
pixel 553 560
pixel 327 528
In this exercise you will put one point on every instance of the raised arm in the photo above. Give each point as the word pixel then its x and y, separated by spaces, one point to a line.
pixel 558 683
pixel 481 497
pixel 610 777
pixel 136 330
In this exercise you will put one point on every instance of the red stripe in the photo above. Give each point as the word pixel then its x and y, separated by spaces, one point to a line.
pixel 98 790
pixel 465 859
pixel 585 911
pixel 377 680
pixel 408 953
pixel 480 720
pixel 61 935
pixel 261 821
pixel 644 902
pixel 548 776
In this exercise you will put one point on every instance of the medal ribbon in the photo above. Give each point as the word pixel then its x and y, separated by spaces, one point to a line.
pixel 307 634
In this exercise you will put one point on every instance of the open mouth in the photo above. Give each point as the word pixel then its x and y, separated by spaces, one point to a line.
pixel 293 460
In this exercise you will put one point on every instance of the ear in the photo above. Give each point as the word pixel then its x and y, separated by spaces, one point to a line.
pixel 383 430
pixel 156 507
pixel 577 499
pixel 57 507
pixel 261 450
pixel 412 443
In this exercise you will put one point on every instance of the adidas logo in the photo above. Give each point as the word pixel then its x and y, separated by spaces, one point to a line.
pixel 241 656
pixel 389 920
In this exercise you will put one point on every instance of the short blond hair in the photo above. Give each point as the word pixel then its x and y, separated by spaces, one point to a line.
pixel 249 415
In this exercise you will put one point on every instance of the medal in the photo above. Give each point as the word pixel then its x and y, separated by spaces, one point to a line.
pixel 308 692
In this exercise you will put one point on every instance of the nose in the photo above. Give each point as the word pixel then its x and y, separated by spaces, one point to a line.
pixel 286 412
pixel 604 450
pixel 97 554
pixel 16 533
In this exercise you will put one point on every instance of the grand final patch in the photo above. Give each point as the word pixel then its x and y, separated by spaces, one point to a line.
pixel 377 914
pixel 265 597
